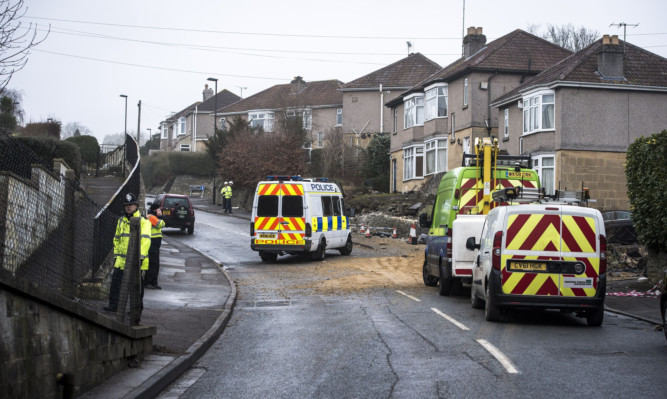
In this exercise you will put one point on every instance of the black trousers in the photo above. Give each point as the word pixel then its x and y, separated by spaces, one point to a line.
pixel 114 291
pixel 153 262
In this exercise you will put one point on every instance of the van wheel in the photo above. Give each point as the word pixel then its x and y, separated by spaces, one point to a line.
pixel 429 279
pixel 594 317
pixel 268 256
pixel 491 310
pixel 664 318
pixel 321 251
pixel 191 229
pixel 445 288
pixel 474 299
pixel 347 249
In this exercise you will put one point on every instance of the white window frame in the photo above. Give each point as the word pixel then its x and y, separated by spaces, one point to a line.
pixel 434 96
pixel 410 160
pixel 414 108
pixel 339 116
pixel 435 148
pixel 535 105
pixel 184 147
pixel 395 120
pixel 320 139
pixel 180 126
pixel 307 119
pixel 506 124
pixel 537 162
pixel 165 131
pixel 263 119
pixel 222 123
pixel 465 92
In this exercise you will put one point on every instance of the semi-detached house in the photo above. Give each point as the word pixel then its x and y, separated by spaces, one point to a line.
pixel 364 111
pixel 188 129
pixel 318 103
pixel 438 119
pixel 577 118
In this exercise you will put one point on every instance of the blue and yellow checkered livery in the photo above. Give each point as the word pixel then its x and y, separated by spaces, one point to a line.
pixel 329 223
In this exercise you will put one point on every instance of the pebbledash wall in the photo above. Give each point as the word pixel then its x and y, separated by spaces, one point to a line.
pixel 43 333
pixel 602 172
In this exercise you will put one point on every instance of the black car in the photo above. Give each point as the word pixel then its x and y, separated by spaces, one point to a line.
pixel 619 228
pixel 177 211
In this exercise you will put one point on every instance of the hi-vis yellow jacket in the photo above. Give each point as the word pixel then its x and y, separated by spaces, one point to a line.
pixel 156 226
pixel 121 241
pixel 226 192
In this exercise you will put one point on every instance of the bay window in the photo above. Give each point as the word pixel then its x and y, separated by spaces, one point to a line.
pixel 436 156
pixel 413 162
pixel 538 112
pixel 180 127
pixel 261 119
pixel 545 166
pixel 414 111
pixel 436 102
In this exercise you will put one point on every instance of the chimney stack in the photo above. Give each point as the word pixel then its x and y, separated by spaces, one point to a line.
pixel 610 58
pixel 298 84
pixel 207 93
pixel 473 41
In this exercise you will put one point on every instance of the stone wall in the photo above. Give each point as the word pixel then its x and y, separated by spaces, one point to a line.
pixel 602 172
pixel 43 334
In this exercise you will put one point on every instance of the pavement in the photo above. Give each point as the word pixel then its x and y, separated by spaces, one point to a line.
pixel 197 300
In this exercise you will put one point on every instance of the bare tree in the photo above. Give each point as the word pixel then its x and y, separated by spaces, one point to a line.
pixel 15 39
pixel 70 129
pixel 566 36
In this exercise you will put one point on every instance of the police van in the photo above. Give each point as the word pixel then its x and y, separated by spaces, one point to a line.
pixel 295 215
pixel 541 256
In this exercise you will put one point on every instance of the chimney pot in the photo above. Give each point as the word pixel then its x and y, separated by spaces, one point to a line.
pixel 605 39
pixel 614 39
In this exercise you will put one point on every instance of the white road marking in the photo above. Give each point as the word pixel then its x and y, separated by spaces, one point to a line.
pixel 507 363
pixel 451 320
pixel 409 296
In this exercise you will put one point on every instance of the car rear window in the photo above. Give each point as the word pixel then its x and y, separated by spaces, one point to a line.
pixel 171 202
pixel 292 206
pixel 267 206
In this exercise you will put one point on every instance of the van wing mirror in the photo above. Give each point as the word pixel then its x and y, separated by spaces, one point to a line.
pixel 423 220
pixel 471 245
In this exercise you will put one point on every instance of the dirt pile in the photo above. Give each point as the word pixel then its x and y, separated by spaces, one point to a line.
pixel 397 266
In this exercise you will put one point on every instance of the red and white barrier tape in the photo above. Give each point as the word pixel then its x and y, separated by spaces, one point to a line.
pixel 652 293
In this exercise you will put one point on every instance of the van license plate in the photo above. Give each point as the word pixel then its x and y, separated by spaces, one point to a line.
pixel 267 236
pixel 166 212
pixel 529 266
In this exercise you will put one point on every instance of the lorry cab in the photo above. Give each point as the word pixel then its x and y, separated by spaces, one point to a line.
pixel 294 215
pixel 545 256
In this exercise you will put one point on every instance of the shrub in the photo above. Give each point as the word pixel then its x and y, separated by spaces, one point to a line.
pixel 647 184
pixel 49 148
pixel 191 163
pixel 88 147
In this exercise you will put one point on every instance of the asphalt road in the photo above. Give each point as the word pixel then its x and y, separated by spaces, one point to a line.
pixel 288 343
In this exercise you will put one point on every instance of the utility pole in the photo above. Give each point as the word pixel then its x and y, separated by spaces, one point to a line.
pixel 625 27
pixel 139 125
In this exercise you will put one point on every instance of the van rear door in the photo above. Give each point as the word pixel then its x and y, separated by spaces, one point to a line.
pixel 531 245
pixel 280 214
pixel 550 250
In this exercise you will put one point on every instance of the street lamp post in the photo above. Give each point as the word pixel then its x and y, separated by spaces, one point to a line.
pixel 125 134
pixel 215 117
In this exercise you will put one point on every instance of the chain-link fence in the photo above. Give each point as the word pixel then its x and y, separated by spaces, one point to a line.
pixel 53 235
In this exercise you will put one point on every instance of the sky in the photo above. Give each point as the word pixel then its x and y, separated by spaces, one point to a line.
pixel 161 52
